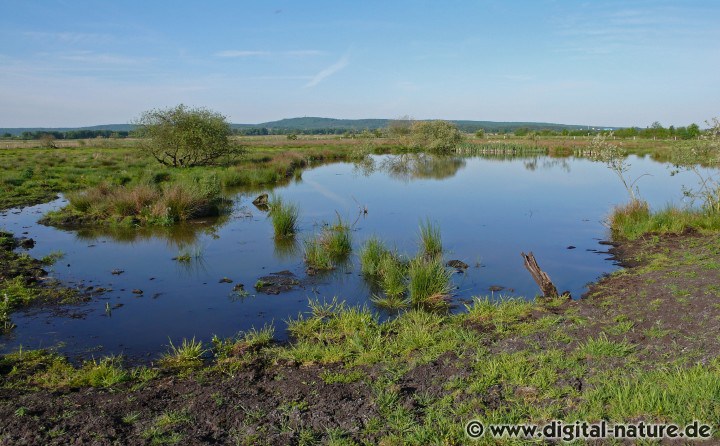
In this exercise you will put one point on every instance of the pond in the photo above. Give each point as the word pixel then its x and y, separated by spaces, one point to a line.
pixel 489 210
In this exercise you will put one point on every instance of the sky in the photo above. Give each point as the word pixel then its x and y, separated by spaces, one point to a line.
pixel 609 63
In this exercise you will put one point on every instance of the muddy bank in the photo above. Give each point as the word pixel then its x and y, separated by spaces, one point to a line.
pixel 595 358
pixel 24 282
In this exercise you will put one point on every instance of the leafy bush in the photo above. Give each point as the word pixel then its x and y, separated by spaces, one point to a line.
pixel 182 137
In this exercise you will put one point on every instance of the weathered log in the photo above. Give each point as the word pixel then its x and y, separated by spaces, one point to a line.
pixel 541 278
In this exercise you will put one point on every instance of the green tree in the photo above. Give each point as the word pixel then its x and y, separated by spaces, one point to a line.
pixel 435 135
pixel 183 137
pixel 693 131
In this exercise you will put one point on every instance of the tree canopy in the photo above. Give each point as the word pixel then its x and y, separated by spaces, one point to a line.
pixel 435 135
pixel 184 137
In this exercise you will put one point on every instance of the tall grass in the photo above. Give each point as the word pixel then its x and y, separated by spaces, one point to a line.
pixel 284 217
pixel 635 219
pixel 331 246
pixel 145 203
pixel 370 255
pixel 392 275
pixel 429 282
pixel 430 240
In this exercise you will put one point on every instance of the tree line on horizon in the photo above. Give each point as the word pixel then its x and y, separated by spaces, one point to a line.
pixel 378 128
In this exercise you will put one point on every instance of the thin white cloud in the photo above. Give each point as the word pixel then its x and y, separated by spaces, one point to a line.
pixel 329 71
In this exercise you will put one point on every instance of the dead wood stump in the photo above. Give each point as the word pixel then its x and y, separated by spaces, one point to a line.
pixel 541 278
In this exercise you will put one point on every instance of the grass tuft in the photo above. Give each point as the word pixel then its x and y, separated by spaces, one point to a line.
pixel 430 240
pixel 331 246
pixel 185 356
pixel 429 282
pixel 284 217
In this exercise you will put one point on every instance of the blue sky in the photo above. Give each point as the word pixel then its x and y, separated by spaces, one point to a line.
pixel 77 62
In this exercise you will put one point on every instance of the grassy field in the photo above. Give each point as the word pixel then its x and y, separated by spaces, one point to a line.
pixel 34 175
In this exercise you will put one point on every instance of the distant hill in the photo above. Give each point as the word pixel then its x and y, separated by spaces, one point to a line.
pixel 313 123
pixel 16 131
pixel 330 125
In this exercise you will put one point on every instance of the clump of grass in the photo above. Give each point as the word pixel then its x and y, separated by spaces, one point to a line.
pixel 105 372
pixel 430 240
pixel 392 275
pixel 143 204
pixel 504 314
pixel 316 256
pixel 386 268
pixel 390 302
pixel 429 282
pixel 371 254
pixel 52 257
pixel 187 254
pixel 603 347
pixel 284 217
pixel 628 218
pixel 331 246
pixel 186 355
pixel 247 343
pixel 635 219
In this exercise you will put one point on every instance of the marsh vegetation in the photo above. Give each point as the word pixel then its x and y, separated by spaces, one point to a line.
pixel 442 353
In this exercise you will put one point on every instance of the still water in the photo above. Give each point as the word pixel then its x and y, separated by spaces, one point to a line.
pixel 489 211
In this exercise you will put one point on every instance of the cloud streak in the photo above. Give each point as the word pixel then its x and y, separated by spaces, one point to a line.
pixel 329 71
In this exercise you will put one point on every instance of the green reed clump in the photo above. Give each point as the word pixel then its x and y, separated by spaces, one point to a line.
pixel 371 254
pixel 429 282
pixel 284 217
pixel 430 240
pixel 393 272
pixel 331 246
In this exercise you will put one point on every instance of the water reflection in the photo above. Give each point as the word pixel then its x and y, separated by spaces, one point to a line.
pixel 411 166
pixel 546 163
pixel 286 248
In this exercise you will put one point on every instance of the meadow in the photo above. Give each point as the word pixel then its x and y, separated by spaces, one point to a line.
pixel 640 345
